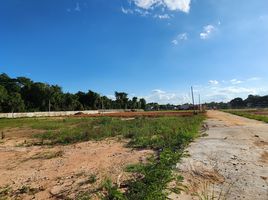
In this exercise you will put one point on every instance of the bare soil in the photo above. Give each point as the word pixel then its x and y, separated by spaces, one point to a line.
pixel 230 162
pixel 60 172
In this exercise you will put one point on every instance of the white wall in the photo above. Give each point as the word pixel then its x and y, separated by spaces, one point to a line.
pixel 55 114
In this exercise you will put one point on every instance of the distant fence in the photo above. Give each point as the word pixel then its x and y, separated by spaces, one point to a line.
pixel 59 113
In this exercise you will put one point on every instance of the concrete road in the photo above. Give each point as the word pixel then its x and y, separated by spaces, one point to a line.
pixel 230 161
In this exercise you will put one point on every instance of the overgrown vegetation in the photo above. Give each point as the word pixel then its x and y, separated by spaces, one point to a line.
pixel 250 115
pixel 168 136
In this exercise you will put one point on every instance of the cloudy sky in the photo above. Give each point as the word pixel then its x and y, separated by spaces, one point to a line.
pixel 154 49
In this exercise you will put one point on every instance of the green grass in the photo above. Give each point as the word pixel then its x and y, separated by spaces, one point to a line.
pixel 168 136
pixel 249 115
pixel 155 133
pixel 39 123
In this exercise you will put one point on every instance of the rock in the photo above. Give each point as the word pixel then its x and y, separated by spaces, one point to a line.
pixel 57 191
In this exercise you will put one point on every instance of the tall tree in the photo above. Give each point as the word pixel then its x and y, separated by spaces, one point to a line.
pixel 3 97
pixel 143 103
pixel 121 100
pixel 14 103
pixel 237 103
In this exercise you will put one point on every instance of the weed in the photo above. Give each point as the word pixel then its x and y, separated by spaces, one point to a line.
pixel 84 196
pixel 47 155
pixel 111 191
pixel 4 192
pixel 28 190
pixel 90 180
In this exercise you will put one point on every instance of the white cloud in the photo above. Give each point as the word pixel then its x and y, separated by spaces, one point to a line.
pixel 126 11
pixel 135 11
pixel 254 79
pixel 237 90
pixel 175 42
pixel 207 31
pixel 235 81
pixel 227 91
pixel 141 12
pixel 165 16
pixel 182 5
pixel 180 37
pixel 77 8
pixel 263 18
pixel 183 36
pixel 213 90
pixel 213 82
pixel 164 97
pixel 145 4
pixel 174 5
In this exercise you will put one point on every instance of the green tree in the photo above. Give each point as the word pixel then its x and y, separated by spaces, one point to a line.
pixel 3 97
pixel 121 100
pixel 134 103
pixel 237 103
pixel 143 103
pixel 14 103
pixel 71 103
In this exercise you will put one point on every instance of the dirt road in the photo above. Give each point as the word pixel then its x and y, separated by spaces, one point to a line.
pixel 230 161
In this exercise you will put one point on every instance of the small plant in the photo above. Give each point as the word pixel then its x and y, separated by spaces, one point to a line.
pixel 48 155
pixel 90 180
pixel 111 191
pixel 84 196
pixel 4 192
pixel 2 135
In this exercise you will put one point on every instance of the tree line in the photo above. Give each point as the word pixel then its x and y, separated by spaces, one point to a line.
pixel 252 101
pixel 21 94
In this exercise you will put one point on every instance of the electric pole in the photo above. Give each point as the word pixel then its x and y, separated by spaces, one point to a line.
pixel 192 91
pixel 49 105
pixel 199 103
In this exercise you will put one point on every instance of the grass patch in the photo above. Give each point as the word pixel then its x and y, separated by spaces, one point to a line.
pixel 40 123
pixel 168 136
pixel 155 133
pixel 249 115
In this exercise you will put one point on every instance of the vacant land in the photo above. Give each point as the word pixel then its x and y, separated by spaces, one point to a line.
pixel 231 162
pixel 94 157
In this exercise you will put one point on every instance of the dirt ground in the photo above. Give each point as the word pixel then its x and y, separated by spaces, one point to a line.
pixel 229 162
pixel 60 172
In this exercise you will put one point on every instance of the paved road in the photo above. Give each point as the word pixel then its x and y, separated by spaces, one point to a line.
pixel 230 161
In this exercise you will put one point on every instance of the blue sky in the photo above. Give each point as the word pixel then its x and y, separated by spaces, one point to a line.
pixel 154 49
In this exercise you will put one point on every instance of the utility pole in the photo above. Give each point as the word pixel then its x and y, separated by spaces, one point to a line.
pixel 192 91
pixel 49 105
pixel 199 103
